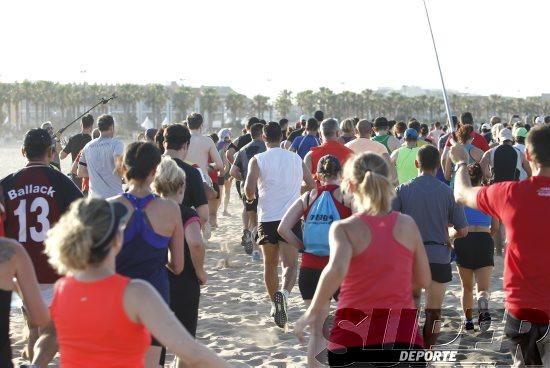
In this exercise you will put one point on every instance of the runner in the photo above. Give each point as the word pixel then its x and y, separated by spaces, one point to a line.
pixel 436 133
pixel 239 171
pixel 479 141
pixel 519 139
pixel 420 142
pixel 237 144
pixel 381 128
pixel 522 206
pixel 347 129
pixel 474 259
pixel 225 180
pixel 330 146
pixel 404 158
pixel 431 204
pixel 176 139
pixel 486 132
pixel 277 174
pixel 85 186
pixel 15 263
pixel 153 238
pixel 185 288
pixel 303 144
pixel 504 162
pixel 214 175
pixel 319 116
pixel 399 131
pixel 101 161
pixel 382 278
pixel 315 246
pixel 34 199
pixel 298 132
pixel 283 123
pixel 85 245
pixel 77 142
pixel 201 148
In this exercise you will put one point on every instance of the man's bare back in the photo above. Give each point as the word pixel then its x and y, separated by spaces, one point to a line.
pixel 202 150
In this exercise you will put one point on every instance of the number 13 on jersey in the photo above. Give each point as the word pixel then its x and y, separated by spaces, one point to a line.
pixel 40 208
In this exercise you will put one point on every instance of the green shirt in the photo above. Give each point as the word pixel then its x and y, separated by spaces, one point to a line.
pixel 383 139
pixel 405 164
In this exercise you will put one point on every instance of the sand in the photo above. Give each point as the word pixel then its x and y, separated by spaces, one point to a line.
pixel 234 309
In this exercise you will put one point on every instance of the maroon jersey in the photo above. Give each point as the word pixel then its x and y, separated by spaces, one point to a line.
pixel 35 197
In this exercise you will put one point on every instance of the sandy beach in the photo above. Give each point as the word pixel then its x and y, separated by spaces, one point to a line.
pixel 234 309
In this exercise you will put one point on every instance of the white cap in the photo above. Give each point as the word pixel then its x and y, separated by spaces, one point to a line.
pixel 505 135
pixel 485 126
pixel 539 120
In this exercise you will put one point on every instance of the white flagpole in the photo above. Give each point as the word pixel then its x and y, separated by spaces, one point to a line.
pixel 445 99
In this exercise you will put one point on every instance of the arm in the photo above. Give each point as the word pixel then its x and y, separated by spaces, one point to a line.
pixel 288 144
pixel 485 165
pixel 495 226
pixel 391 166
pixel 215 157
pixel 63 154
pixel 176 254
pixel 27 283
pixel 230 154
pixel 144 305
pixel 203 213
pixel 291 217
pixel 236 173
pixel 197 249
pixel 308 162
pixel 74 167
pixel 308 179
pixel 446 164
pixel 331 278
pixel 393 157
pixel 464 193
pixel 252 179
pixel 119 164
pixel 82 171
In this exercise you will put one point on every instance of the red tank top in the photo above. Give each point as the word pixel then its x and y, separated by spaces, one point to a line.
pixel 334 148
pixel 319 262
pixel 92 327
pixel 375 304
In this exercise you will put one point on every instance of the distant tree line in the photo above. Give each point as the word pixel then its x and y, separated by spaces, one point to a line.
pixel 34 102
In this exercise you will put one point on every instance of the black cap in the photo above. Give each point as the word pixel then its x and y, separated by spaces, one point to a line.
pixel 37 140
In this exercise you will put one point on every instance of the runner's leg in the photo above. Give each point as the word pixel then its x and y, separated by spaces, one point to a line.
pixel 46 346
pixel 434 300
pixel 467 280
pixel 271 262
pixel 289 261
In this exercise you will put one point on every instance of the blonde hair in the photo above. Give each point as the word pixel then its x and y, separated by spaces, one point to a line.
pixel 169 178
pixel 496 129
pixel 347 126
pixel 368 174
pixel 69 243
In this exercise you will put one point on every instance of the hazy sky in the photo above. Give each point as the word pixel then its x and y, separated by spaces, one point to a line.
pixel 263 46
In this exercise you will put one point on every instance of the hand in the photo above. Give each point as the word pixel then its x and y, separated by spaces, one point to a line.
pixel 306 320
pixel 202 276
pixel 458 153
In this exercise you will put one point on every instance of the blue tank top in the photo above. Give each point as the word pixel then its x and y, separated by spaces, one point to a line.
pixel 144 253
pixel 476 218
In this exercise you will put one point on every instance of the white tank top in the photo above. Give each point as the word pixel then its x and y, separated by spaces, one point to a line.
pixel 279 182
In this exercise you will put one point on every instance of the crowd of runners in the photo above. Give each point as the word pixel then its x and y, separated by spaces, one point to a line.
pixel 109 260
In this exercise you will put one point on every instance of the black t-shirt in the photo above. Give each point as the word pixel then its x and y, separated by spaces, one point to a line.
pixel 76 144
pixel 35 197
pixel 295 134
pixel 505 164
pixel 240 142
pixel 194 190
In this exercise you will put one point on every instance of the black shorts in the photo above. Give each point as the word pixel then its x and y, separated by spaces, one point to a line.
pixel 221 180
pixel 185 293
pixel 374 356
pixel 216 187
pixel 475 251
pixel 250 207
pixel 268 234
pixel 308 280
pixel 238 186
pixel 442 273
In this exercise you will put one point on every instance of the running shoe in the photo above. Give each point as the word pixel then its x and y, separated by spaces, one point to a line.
pixel 256 256
pixel 280 316
pixel 484 319
pixel 248 243
pixel 469 325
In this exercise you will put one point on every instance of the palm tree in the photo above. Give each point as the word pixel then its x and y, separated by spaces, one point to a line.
pixel 283 103
pixel 155 96
pixel 210 102
pixel 366 101
pixel 183 100
pixel 306 100
pixel 325 99
pixel 259 104
pixel 235 103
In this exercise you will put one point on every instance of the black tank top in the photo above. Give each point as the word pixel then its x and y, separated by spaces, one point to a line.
pixel 505 164
pixel 5 348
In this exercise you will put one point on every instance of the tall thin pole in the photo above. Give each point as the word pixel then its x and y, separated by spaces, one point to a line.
pixel 444 90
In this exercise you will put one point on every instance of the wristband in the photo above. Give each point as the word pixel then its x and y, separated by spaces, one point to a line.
pixel 458 164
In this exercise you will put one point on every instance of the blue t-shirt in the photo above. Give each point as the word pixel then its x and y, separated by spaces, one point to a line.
pixel 303 144
pixel 432 206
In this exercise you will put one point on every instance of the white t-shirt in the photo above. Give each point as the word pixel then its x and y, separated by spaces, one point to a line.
pixel 279 182
pixel 99 157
